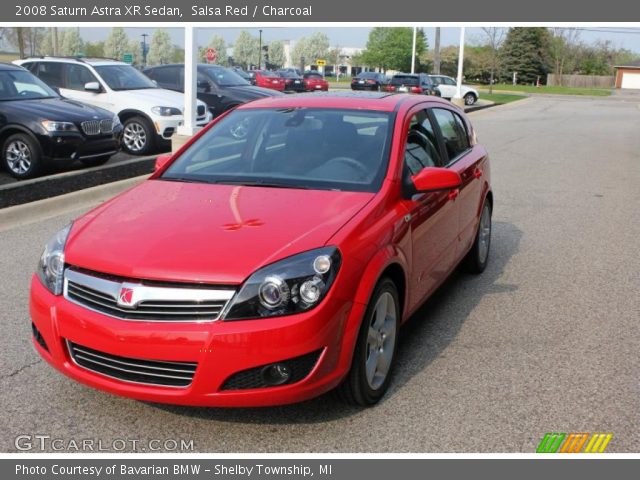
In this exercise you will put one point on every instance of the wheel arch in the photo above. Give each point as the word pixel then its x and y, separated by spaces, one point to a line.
pixel 128 113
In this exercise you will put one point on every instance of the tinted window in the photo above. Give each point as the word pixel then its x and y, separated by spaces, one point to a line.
pixel 124 77
pixel 302 148
pixel 78 76
pixel 421 149
pixel 50 73
pixel 313 76
pixel 405 80
pixel 369 75
pixel 224 77
pixel 449 81
pixel 21 85
pixel 453 131
pixel 166 75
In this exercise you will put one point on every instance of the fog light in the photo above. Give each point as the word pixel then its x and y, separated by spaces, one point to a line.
pixel 276 374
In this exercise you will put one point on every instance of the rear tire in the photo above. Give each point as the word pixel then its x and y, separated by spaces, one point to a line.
pixel 478 257
pixel 469 99
pixel 375 350
pixel 138 137
pixel 21 156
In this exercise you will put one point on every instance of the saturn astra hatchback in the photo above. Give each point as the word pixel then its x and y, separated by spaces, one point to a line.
pixel 273 258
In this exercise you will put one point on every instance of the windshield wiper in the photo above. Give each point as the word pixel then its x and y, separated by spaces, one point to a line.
pixel 258 183
pixel 182 179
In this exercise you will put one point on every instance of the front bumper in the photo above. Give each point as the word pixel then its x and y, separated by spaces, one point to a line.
pixel 167 126
pixel 220 349
pixel 75 146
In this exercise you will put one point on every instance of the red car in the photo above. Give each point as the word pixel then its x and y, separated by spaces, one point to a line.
pixel 315 82
pixel 273 258
pixel 267 79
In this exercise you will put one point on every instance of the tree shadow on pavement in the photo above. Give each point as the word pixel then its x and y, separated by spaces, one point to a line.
pixel 423 338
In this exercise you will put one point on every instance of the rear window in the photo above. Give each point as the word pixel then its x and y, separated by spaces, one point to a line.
pixel 368 75
pixel 313 76
pixel 405 80
pixel 266 73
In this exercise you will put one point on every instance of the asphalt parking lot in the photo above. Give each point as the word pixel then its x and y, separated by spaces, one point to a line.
pixel 546 340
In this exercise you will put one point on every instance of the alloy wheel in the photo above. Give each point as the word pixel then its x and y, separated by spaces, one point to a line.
pixel 18 157
pixel 484 234
pixel 134 137
pixel 381 340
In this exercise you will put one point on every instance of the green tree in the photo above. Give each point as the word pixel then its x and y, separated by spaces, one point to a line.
pixel 525 51
pixel 300 51
pixel 160 48
pixel 135 49
pixel 116 44
pixel 177 54
pixel 246 49
pixel 216 42
pixel 94 49
pixel 71 44
pixel 390 48
pixel 276 54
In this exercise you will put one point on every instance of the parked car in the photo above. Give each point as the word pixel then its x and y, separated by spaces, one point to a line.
pixel 38 128
pixel 292 81
pixel 448 86
pixel 313 82
pixel 243 74
pixel 150 115
pixel 291 240
pixel 419 83
pixel 267 79
pixel 368 81
pixel 220 88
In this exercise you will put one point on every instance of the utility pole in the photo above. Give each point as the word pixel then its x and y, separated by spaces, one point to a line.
pixel 413 51
pixel 260 52
pixel 144 49
pixel 54 40
pixel 436 53
pixel 457 98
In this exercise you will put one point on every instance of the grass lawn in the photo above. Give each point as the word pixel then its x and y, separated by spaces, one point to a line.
pixel 501 98
pixel 598 92
pixel 8 57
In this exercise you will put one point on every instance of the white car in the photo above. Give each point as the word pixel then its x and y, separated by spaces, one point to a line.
pixel 447 87
pixel 150 115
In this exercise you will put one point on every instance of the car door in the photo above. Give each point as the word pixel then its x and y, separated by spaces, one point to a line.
pixel 468 160
pixel 211 94
pixel 433 216
pixel 76 76
pixel 447 87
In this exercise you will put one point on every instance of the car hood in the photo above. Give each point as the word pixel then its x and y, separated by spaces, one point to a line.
pixel 249 92
pixel 160 97
pixel 55 109
pixel 189 232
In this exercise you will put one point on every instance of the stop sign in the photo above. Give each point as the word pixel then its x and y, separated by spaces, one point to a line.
pixel 211 54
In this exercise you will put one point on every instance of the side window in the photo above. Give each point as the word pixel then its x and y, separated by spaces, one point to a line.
pixel 166 76
pixel 449 81
pixel 454 133
pixel 78 76
pixel 50 73
pixel 421 149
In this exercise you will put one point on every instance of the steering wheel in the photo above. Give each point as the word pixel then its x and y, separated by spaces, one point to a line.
pixel 351 162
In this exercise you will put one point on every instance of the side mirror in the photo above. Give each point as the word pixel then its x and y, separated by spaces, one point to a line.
pixel 162 160
pixel 431 179
pixel 93 87
pixel 204 87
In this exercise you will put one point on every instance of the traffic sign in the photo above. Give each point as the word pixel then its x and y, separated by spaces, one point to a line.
pixel 211 54
pixel 321 63
pixel 127 58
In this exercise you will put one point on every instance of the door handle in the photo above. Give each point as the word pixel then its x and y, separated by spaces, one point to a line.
pixel 477 173
pixel 453 194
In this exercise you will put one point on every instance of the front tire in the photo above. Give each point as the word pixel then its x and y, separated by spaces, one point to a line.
pixel 375 350
pixel 21 156
pixel 478 257
pixel 138 136
pixel 469 99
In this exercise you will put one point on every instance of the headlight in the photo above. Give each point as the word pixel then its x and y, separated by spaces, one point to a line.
pixel 51 266
pixel 53 126
pixel 116 121
pixel 166 111
pixel 292 285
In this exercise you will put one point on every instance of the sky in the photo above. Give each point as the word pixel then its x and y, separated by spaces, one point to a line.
pixel 628 38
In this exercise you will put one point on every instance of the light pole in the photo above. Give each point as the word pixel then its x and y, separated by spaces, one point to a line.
pixel 260 52
pixel 144 49
pixel 413 51
pixel 457 98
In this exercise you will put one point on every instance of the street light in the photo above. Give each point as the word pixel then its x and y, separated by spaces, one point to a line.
pixel 260 52
pixel 144 49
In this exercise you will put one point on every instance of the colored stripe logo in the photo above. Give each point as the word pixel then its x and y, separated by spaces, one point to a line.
pixel 574 443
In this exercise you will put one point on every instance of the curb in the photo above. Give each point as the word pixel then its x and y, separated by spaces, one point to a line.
pixel 40 188
pixel 18 215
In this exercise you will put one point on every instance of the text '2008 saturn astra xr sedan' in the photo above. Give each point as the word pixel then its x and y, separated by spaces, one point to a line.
pixel 271 259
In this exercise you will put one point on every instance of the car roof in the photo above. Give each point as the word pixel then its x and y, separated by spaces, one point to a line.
pixel 88 60
pixel 381 101
pixel 9 66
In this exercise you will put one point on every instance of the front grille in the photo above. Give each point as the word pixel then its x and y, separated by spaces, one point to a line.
pixel 201 110
pixel 37 336
pixel 300 368
pixel 97 127
pixel 146 302
pixel 152 372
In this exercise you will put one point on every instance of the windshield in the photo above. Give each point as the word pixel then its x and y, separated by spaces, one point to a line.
pixel 124 77
pixel 268 73
pixel 404 80
pixel 326 149
pixel 22 85
pixel 224 77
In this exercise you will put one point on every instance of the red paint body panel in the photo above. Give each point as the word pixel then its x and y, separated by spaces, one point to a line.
pixel 314 84
pixel 274 83
pixel 221 234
